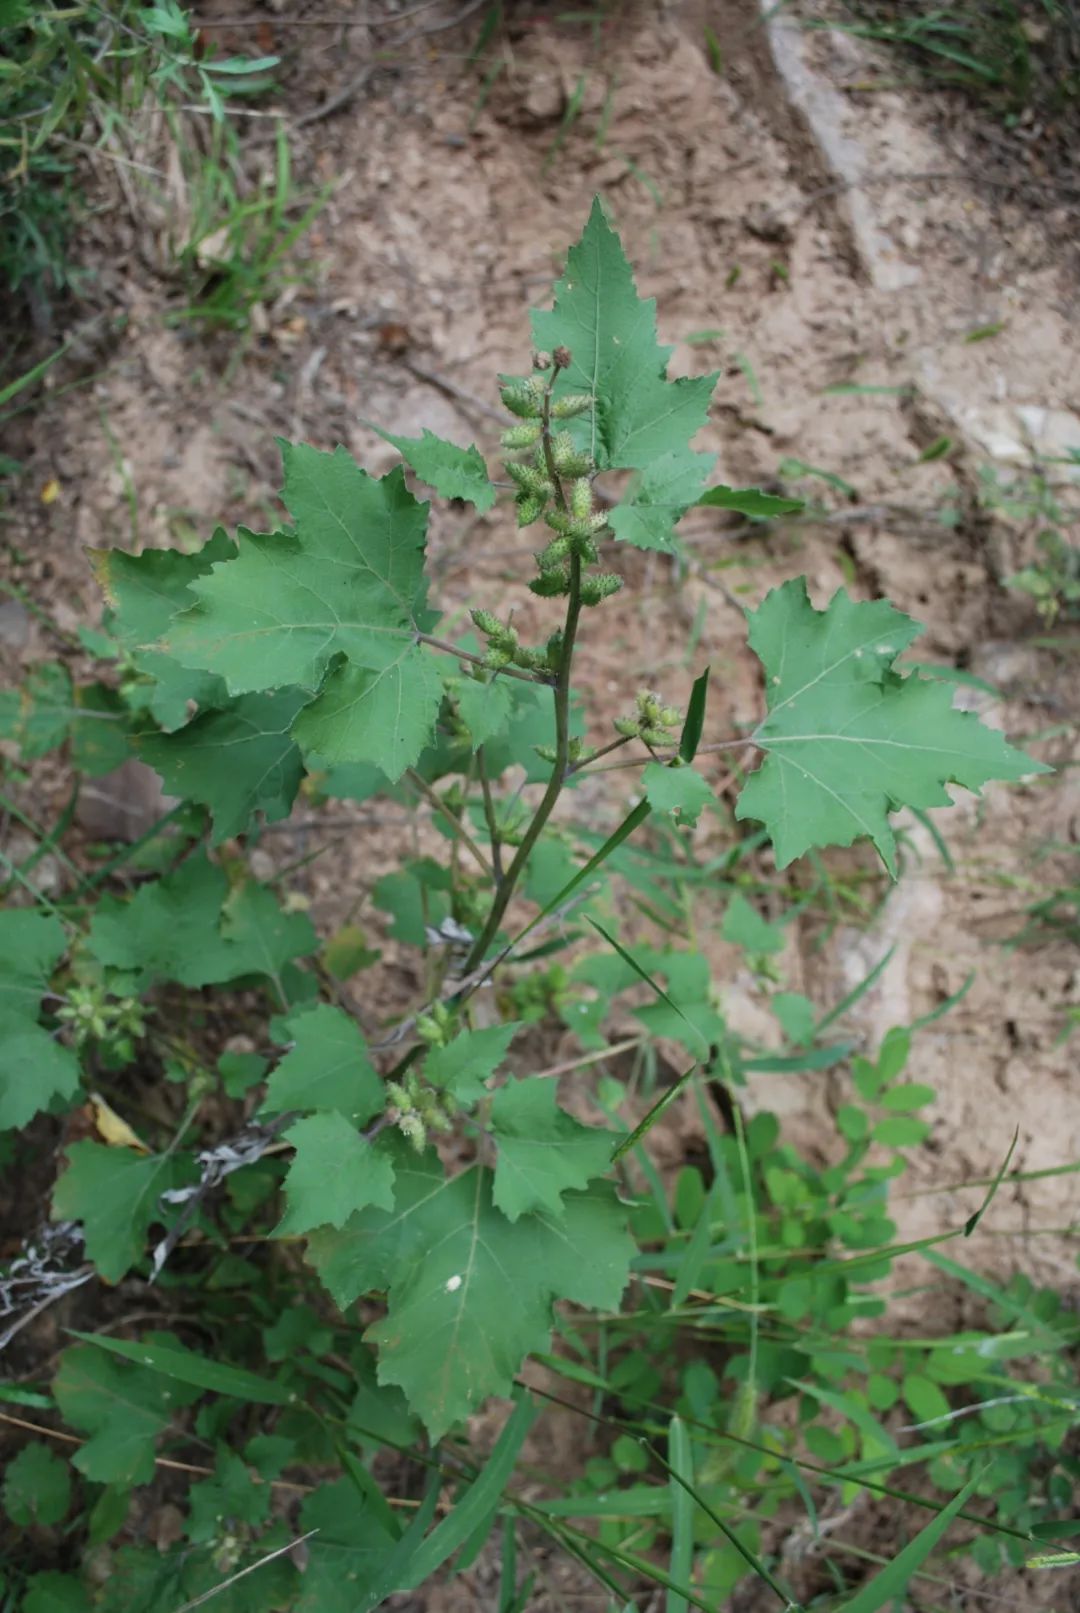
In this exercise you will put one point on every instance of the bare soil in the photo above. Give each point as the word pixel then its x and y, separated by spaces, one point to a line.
pixel 799 268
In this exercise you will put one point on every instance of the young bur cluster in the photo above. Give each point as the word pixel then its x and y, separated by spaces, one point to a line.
pixel 554 481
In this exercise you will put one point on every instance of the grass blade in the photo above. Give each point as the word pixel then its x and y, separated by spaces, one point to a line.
pixel 973 1220
pixel 888 1588
pixel 682 1513
pixel 690 738
pixel 479 1501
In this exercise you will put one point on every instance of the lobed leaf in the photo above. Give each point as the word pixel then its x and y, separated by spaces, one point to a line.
pixel 116 1194
pixel 640 420
pixel 847 739
pixel 327 1067
pixel 452 471
pixel 335 1171
pixel 35 1069
pixel 470 1293
pixel 235 762
pixel 542 1152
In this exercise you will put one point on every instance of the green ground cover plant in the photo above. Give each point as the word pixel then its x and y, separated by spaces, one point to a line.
pixel 357 1232
pixel 118 88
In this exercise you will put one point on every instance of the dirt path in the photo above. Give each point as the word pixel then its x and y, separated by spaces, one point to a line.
pixel 800 280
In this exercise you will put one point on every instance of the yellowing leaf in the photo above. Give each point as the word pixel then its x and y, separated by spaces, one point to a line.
pixel 116 1131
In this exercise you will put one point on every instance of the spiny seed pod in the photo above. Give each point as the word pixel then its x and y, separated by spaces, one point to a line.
pixel 550 583
pixel 581 499
pixel 557 551
pixel 575 464
pixel 522 436
pixel 487 623
pixel 569 459
pixel 497 657
pixel 412 1127
pixel 574 403
pixel 546 753
pixel 553 649
pixel 656 736
pixel 529 509
pixel 529 478
pixel 602 586
pixel 522 401
pixel 627 727
pixel 531 660
pixel 671 716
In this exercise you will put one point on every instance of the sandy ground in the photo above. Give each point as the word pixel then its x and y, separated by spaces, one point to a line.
pixel 803 240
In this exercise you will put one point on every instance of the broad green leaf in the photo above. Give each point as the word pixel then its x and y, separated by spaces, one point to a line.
pixel 744 927
pixel 194 1370
pixel 639 416
pixel 261 937
pixel 452 471
pixel 659 498
pixel 416 896
pixel 34 1068
pixel 231 1497
pixel 99 730
pixel 796 1015
pixel 51 1592
pixel 145 591
pixel 750 501
pixel 676 789
pixel 116 1194
pixel 349 579
pixel 464 1066
pixel 924 1399
pixel 335 1171
pixel 542 1152
pixel 169 930
pixel 470 1293
pixel 37 1487
pixel 37 716
pixel 485 706
pixel 385 716
pixel 190 928
pixel 121 1407
pixel 327 1067
pixel 847 740
pixel 236 762
pixel 346 1553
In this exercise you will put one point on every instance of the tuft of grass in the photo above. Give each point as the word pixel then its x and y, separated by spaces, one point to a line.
pixel 1010 55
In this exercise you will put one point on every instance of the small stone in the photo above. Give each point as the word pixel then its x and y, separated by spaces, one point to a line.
pixel 14 625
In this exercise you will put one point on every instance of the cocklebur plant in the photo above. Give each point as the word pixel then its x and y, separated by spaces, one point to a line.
pixel 423 1165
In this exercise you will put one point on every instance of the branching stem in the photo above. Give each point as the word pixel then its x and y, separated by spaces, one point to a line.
pixel 560 767
pixel 435 800
pixel 478 660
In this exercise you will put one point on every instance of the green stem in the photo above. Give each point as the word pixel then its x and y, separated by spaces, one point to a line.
pixel 605 750
pixel 561 765
pixel 555 783
pixel 456 826
pixel 478 660
pixel 490 818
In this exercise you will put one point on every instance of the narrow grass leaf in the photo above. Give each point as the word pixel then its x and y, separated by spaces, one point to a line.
pixel 479 1501
pixel 973 1220
pixel 643 974
pixel 187 1367
pixel 888 1589
pixel 682 1512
